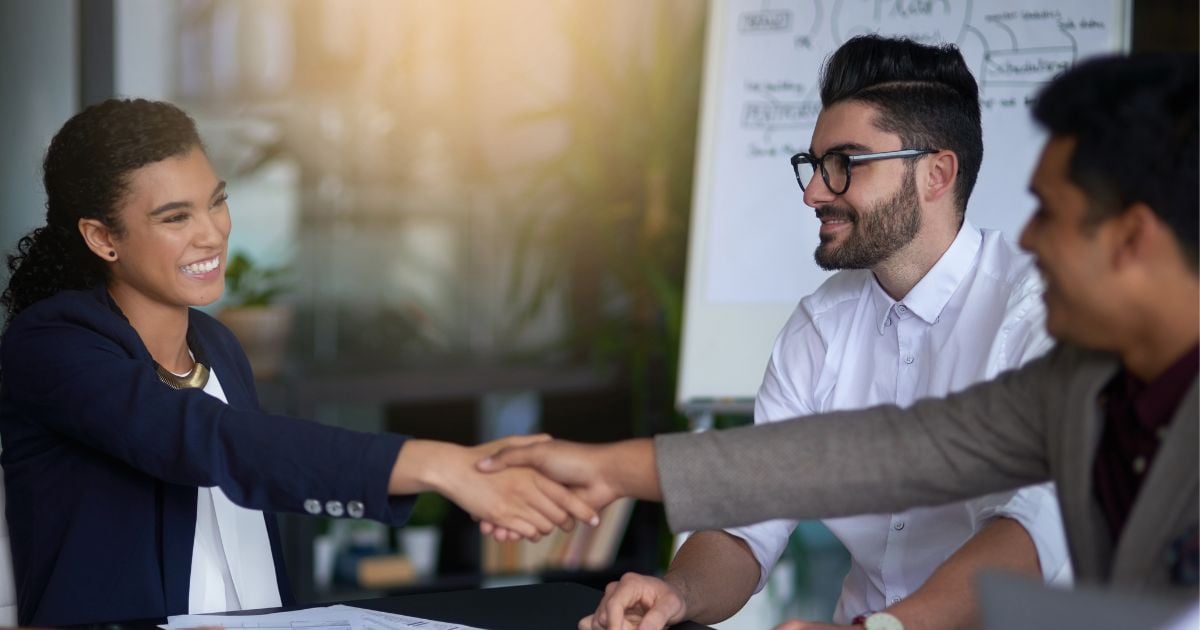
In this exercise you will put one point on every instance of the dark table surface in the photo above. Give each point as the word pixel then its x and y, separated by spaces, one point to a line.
pixel 532 607
pixel 556 605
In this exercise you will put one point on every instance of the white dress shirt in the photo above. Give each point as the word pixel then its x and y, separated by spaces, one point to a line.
pixel 978 312
pixel 232 565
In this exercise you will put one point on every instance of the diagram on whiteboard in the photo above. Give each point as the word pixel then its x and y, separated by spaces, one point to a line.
pixel 765 99
pixel 1011 52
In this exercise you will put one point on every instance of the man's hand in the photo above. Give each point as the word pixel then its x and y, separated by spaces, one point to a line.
pixel 580 466
pixel 600 473
pixel 575 465
pixel 520 500
pixel 637 601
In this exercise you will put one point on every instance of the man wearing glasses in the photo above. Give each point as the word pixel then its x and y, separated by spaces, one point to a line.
pixel 925 304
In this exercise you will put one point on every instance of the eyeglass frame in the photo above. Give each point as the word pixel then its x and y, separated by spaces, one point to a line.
pixel 850 160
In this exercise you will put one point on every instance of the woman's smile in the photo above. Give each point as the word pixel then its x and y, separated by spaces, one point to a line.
pixel 204 269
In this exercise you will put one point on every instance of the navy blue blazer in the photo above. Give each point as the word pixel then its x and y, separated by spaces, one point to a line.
pixel 102 461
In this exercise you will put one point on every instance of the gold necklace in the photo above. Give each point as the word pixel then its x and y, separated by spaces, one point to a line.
pixel 197 377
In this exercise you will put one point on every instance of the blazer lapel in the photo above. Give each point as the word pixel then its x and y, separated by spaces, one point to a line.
pixel 1083 424
pixel 210 351
pixel 1165 504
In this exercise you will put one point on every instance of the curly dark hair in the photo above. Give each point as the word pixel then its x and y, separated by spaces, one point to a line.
pixel 86 174
pixel 925 94
pixel 1136 122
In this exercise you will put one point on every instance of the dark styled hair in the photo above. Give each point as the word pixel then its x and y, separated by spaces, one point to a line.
pixel 86 174
pixel 925 94
pixel 1135 123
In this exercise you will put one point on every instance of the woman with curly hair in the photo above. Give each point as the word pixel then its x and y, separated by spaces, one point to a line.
pixel 131 422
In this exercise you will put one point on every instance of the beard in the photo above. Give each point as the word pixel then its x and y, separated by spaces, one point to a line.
pixel 874 235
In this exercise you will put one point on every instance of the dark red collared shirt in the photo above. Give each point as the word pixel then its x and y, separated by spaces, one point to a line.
pixel 1137 417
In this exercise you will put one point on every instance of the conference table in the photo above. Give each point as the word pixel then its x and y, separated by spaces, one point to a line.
pixel 531 607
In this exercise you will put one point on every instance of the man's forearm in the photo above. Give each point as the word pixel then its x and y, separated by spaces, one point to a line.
pixel 716 573
pixel 631 468
pixel 947 599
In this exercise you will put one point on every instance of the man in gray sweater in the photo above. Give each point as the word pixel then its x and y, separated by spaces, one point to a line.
pixel 1110 414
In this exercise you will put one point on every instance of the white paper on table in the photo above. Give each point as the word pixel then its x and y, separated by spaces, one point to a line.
pixel 376 620
pixel 339 617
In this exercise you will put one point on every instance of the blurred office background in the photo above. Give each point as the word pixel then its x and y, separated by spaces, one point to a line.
pixel 478 212
pixel 472 217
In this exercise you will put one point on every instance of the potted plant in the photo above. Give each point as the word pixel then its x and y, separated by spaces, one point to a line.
pixel 606 218
pixel 420 538
pixel 251 311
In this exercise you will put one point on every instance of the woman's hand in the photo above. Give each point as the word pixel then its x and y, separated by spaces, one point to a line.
pixel 597 473
pixel 519 500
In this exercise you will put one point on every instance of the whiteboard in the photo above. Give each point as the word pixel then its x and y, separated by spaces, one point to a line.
pixel 752 238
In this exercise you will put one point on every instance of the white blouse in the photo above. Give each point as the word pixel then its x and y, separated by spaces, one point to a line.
pixel 232 565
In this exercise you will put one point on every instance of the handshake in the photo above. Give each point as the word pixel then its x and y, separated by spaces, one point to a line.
pixel 525 486
pixel 522 487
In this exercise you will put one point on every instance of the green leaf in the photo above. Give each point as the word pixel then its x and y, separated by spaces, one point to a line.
pixel 247 284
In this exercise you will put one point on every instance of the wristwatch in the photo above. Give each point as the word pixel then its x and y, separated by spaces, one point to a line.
pixel 882 621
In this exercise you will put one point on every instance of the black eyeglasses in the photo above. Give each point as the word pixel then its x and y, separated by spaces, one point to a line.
pixel 835 166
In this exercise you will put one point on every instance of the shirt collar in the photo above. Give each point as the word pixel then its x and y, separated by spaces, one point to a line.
pixel 1154 403
pixel 931 294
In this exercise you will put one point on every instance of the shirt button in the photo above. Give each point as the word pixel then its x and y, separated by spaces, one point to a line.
pixel 902 308
pixel 909 359
pixel 1139 465
pixel 894 601
pixel 887 322
pixel 355 509
pixel 333 508
pixel 312 506
pixel 898 525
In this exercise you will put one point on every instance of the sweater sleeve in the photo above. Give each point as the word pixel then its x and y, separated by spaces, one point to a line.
pixel 987 438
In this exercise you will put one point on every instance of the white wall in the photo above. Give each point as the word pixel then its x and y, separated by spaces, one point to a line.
pixel 144 47
pixel 39 70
